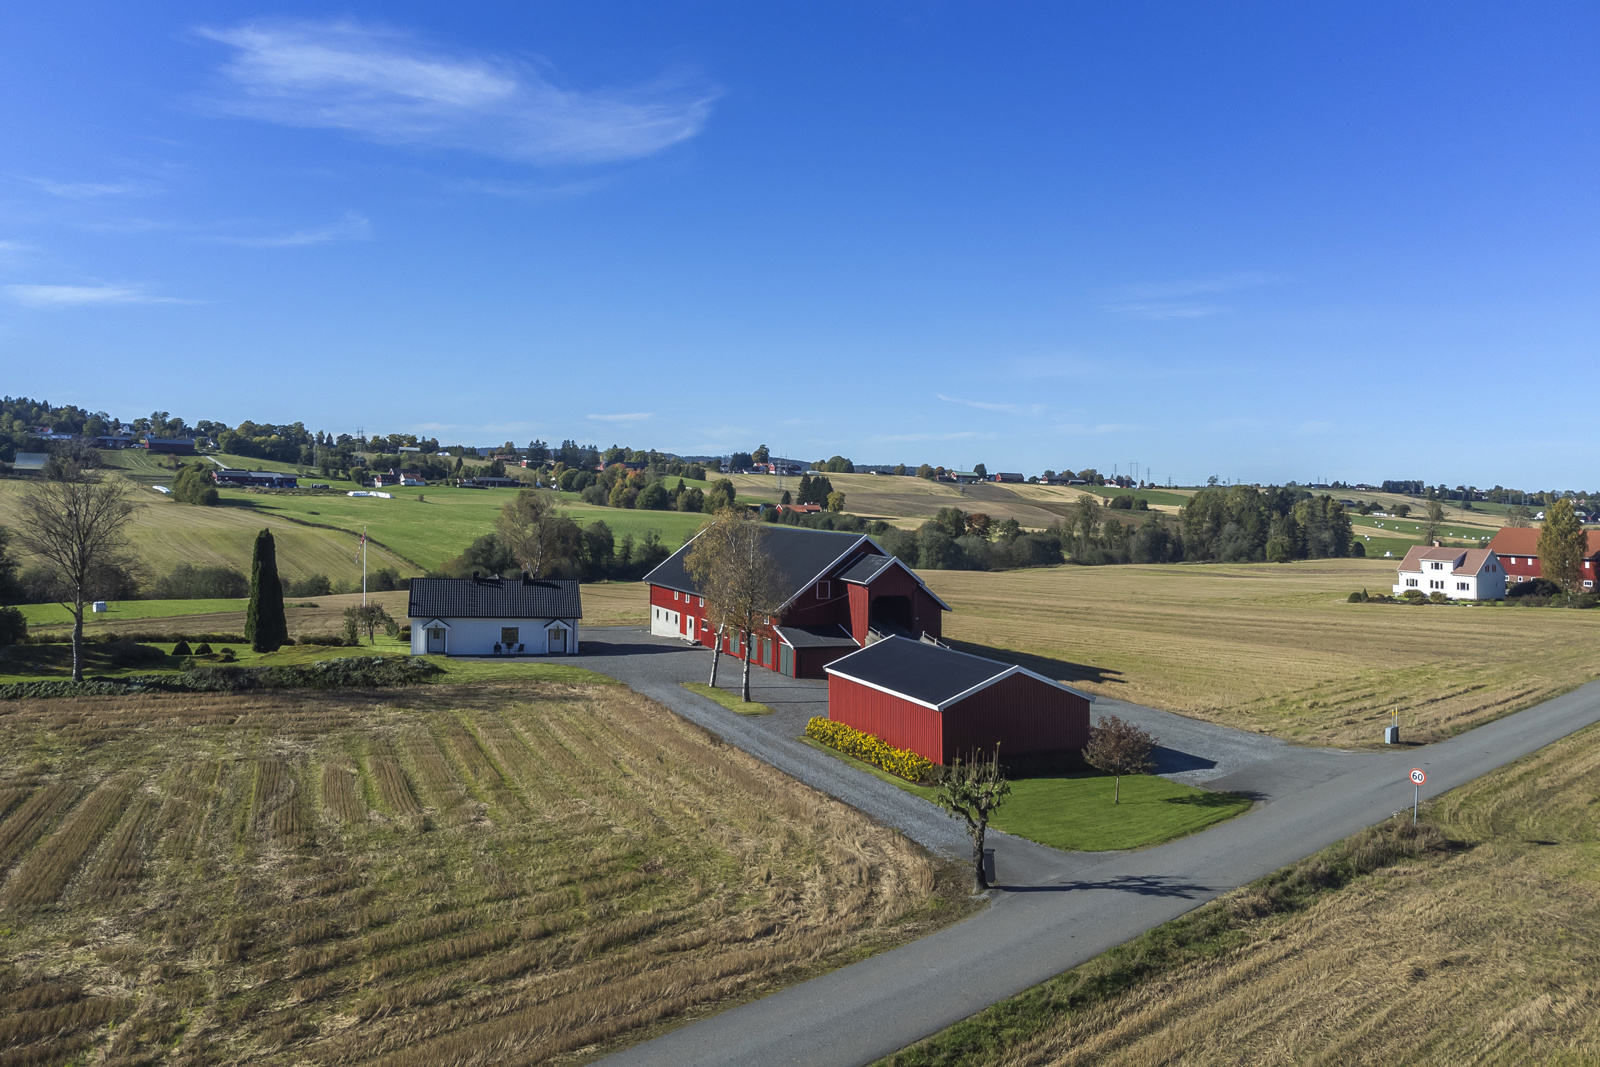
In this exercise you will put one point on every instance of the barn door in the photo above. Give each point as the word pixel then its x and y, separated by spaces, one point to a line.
pixel 786 660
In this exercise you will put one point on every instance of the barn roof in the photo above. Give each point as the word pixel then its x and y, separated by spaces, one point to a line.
pixel 867 570
pixel 831 636
pixel 494 598
pixel 800 557
pixel 931 675
pixel 1524 541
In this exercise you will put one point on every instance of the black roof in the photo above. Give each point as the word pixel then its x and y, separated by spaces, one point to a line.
pixel 494 598
pixel 865 569
pixel 831 636
pixel 929 674
pixel 801 556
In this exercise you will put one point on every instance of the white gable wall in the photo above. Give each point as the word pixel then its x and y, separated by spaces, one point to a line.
pixel 1436 577
pixel 477 637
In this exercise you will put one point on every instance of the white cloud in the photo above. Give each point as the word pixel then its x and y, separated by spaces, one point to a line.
pixel 1164 300
pixel 88 190
pixel 636 416
pixel 386 86
pixel 352 228
pixel 58 296
pixel 986 405
pixel 1077 429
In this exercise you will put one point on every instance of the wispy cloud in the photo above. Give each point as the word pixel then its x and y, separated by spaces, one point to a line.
pixel 635 416
pixel 351 228
pixel 89 190
pixel 985 405
pixel 959 435
pixel 1176 299
pixel 64 296
pixel 1078 429
pixel 388 87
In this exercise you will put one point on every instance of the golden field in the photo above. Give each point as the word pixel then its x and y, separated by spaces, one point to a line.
pixel 1476 948
pixel 485 874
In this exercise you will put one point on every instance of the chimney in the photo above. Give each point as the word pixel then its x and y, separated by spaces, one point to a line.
pixel 1436 545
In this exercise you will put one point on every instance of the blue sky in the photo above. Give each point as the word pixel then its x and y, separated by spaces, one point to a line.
pixel 1259 241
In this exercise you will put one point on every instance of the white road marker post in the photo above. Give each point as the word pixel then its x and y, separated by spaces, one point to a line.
pixel 1417 778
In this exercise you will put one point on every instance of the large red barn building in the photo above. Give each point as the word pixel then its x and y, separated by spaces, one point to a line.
pixel 942 704
pixel 834 590
pixel 1518 549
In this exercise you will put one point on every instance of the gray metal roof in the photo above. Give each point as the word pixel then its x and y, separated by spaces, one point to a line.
pixel 800 557
pixel 865 569
pixel 832 636
pixel 931 675
pixel 494 598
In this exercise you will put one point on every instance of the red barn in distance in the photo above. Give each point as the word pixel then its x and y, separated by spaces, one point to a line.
pixel 834 591
pixel 1518 549
pixel 942 704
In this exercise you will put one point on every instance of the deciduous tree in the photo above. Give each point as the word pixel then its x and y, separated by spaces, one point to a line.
pixel 76 528
pixel 732 569
pixel 973 790
pixel 535 533
pixel 1433 522
pixel 1119 747
pixel 1562 546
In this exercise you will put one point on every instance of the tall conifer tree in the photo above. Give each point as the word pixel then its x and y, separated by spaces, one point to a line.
pixel 264 624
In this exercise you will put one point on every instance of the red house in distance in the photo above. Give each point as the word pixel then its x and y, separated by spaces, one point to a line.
pixel 834 589
pixel 1518 549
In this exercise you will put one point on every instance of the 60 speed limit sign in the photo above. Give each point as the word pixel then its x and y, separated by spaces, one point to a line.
pixel 1417 776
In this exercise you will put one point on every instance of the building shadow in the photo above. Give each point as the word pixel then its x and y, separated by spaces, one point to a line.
pixel 1171 761
pixel 1059 669
pixel 593 647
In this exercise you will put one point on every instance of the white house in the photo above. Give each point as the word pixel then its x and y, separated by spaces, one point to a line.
pixel 1458 573
pixel 494 616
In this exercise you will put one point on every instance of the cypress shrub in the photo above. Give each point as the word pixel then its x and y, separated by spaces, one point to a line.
pixel 264 624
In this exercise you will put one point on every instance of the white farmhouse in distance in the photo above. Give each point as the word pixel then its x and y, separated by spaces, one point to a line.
pixel 1458 573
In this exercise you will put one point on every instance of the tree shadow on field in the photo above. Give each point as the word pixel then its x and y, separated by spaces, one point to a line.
pixel 1059 669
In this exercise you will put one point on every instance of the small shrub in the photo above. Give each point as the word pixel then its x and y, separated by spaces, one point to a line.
pixel 901 762
pixel 130 654
pixel 227 656
pixel 1357 597
pixel 182 649
pixel 1538 587
pixel 1437 597
pixel 13 627
pixel 202 649
pixel 1414 596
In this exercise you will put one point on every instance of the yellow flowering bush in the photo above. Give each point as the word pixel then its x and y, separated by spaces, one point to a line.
pixel 901 762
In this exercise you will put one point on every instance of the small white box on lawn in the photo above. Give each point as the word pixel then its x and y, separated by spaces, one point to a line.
pixel 99 605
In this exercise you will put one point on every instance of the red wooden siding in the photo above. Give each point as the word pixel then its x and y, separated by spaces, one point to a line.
pixel 1023 714
pixel 894 719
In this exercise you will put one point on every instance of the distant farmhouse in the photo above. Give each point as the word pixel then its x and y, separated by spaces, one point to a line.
pixel 1518 550
pixel 242 479
pixel 494 616
pixel 175 446
pixel 1458 573
pixel 835 592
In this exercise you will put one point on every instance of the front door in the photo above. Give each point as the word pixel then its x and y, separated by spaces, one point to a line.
pixel 557 640
pixel 436 639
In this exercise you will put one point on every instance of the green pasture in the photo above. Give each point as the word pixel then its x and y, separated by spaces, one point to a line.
pixel 1153 496
pixel 128 610
pixel 1076 812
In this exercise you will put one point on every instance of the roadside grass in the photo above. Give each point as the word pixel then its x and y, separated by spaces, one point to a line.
pixel 1465 942
pixel 1273 648
pixel 728 700
pixel 1075 812
pixel 468 874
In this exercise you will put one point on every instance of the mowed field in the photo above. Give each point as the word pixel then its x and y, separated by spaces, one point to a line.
pixel 454 875
pixel 1480 950
pixel 1274 648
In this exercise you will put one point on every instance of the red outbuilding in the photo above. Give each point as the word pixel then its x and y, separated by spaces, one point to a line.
pixel 1518 549
pixel 941 703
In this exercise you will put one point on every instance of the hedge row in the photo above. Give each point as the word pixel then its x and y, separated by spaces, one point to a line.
pixel 355 672
pixel 901 762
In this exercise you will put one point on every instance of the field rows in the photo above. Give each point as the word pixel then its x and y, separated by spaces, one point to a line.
pixel 493 878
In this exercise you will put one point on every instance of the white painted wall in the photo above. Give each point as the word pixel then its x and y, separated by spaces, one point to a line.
pixel 477 637
pixel 1485 585
pixel 664 622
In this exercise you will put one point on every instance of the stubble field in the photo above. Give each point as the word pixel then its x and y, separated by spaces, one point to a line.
pixel 473 875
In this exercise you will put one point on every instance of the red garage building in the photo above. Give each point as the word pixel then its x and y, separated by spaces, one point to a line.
pixel 833 590
pixel 941 703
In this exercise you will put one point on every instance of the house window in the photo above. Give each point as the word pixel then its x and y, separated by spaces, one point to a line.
pixel 702 602
pixel 1412 582
pixel 823 592
pixel 508 636
pixel 1461 585
pixel 674 594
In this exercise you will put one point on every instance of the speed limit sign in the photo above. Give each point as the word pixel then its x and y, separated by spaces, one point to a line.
pixel 1417 775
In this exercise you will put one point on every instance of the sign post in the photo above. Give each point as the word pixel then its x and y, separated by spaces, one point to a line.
pixel 1417 778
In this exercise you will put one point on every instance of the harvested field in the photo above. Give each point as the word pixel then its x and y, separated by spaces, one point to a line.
pixel 491 874
pixel 1471 942
pixel 1274 648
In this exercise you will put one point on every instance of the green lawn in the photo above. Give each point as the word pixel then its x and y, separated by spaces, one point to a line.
pixel 1075 812
pixel 120 610
pixel 53 662
pixel 728 700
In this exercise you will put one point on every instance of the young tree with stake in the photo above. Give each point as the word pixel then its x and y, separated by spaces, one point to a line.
pixel 75 525
pixel 1118 747
pixel 973 791
pixel 733 571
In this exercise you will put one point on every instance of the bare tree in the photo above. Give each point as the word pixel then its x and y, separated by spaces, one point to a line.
pixel 1118 747
pixel 75 525
pixel 534 532
pixel 973 790
pixel 733 570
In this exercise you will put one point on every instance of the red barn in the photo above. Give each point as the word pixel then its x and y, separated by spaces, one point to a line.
pixel 1518 549
pixel 941 703
pixel 833 590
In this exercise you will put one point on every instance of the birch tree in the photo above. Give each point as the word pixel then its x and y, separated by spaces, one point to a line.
pixel 733 570
pixel 536 534
pixel 75 526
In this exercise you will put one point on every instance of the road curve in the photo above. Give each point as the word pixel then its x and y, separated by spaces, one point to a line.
pixel 1058 910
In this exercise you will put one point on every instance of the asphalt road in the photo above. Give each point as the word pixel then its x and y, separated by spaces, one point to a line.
pixel 1054 910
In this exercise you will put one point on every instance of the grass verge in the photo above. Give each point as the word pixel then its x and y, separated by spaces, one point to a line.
pixel 1465 941
pixel 1075 812
pixel 728 700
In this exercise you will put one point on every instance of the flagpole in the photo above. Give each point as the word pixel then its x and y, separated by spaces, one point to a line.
pixel 363 566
